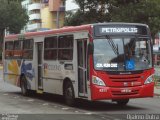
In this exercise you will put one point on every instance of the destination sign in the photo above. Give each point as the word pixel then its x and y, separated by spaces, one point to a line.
pixel 103 30
pixel 118 30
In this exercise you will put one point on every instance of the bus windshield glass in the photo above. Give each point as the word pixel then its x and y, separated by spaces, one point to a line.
pixel 122 54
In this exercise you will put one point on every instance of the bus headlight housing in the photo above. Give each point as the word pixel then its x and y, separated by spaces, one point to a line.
pixel 97 81
pixel 149 79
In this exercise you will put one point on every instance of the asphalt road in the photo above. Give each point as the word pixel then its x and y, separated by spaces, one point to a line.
pixel 51 107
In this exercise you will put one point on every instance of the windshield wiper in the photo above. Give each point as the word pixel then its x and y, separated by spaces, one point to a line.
pixel 112 44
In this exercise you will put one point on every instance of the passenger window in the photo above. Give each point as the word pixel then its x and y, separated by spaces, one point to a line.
pixel 28 49
pixel 17 53
pixel 50 48
pixel 65 47
pixel 9 49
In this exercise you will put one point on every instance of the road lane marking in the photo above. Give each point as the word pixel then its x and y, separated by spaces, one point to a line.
pixel 30 100
pixel 45 104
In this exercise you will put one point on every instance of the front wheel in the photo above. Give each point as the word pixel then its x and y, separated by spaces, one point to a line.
pixel 69 94
pixel 122 102
pixel 23 84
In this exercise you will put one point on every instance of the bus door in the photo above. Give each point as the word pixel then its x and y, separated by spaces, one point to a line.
pixel 82 67
pixel 40 65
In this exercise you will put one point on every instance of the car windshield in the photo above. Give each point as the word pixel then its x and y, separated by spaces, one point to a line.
pixel 122 54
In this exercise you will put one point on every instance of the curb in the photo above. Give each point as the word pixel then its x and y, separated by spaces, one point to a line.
pixel 156 90
pixel 156 94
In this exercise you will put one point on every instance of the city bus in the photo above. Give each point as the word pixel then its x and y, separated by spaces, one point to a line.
pixel 101 61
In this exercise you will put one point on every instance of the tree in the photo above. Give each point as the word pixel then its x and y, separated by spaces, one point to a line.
pixel 14 1
pixel 90 11
pixel 12 17
pixel 139 11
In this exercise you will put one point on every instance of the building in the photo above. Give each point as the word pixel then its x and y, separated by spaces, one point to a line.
pixel 52 13
pixel 44 14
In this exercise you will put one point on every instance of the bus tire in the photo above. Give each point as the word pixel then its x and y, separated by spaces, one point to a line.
pixel 69 94
pixel 122 102
pixel 23 84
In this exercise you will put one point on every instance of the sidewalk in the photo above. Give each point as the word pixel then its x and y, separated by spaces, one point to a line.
pixel 157 91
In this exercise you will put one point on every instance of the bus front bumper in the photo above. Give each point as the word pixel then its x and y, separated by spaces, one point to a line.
pixel 100 92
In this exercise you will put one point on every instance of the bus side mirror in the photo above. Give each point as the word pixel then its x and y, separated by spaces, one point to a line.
pixel 90 48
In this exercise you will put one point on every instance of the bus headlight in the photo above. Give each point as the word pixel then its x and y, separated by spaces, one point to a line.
pixel 97 81
pixel 149 79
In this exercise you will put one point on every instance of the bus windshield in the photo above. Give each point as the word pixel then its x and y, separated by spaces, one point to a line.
pixel 122 54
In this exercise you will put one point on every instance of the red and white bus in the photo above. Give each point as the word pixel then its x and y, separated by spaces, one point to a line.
pixel 94 62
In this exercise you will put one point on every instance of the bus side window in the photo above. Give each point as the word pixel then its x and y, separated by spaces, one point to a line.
pixel 9 49
pixel 65 47
pixel 17 53
pixel 50 48
pixel 28 49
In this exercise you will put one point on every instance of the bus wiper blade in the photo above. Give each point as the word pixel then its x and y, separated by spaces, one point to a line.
pixel 112 44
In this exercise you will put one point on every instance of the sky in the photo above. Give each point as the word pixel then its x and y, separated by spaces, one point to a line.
pixel 70 5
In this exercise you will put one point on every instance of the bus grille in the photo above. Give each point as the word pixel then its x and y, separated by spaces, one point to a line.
pixel 129 78
pixel 125 81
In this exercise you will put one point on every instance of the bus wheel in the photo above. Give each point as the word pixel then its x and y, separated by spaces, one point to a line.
pixel 24 89
pixel 69 94
pixel 122 102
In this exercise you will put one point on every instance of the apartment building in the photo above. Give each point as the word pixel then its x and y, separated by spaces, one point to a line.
pixel 53 13
pixel 44 14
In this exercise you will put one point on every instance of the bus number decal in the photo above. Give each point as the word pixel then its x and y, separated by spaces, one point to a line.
pixel 107 65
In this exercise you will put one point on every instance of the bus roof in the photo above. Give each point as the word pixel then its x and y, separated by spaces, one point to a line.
pixel 120 23
pixel 50 32
pixel 67 29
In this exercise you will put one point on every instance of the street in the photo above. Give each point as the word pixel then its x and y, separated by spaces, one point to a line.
pixel 51 106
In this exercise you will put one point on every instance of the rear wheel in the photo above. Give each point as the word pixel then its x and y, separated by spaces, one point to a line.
pixel 24 89
pixel 122 102
pixel 69 94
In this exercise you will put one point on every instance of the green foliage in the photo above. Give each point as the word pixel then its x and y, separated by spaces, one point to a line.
pixel 90 11
pixel 73 19
pixel 18 19
pixel 139 11
pixel 12 16
pixel 142 11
